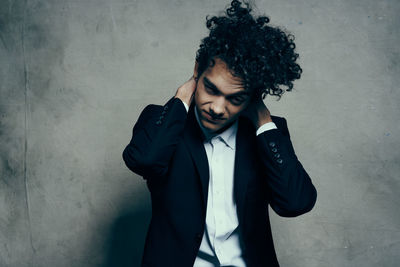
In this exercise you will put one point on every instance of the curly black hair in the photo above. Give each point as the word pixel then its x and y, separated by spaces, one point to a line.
pixel 262 56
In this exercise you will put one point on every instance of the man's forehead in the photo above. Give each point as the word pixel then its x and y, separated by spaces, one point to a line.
pixel 220 73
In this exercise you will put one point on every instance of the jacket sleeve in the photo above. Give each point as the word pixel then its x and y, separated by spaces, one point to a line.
pixel 154 138
pixel 292 192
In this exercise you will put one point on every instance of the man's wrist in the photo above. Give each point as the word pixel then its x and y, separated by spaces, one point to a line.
pixel 186 105
pixel 263 118
pixel 184 101
pixel 266 127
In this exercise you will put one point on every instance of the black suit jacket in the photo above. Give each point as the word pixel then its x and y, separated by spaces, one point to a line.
pixel 167 150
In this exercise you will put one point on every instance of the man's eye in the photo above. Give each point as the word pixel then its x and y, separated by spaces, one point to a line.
pixel 211 91
pixel 237 100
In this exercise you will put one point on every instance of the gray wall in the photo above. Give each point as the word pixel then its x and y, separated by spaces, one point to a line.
pixel 74 76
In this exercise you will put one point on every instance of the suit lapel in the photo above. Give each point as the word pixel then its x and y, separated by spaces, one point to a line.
pixel 194 137
pixel 244 165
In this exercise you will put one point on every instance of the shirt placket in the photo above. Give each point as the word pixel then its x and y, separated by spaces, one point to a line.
pixel 218 192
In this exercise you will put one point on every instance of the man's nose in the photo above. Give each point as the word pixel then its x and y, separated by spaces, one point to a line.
pixel 218 107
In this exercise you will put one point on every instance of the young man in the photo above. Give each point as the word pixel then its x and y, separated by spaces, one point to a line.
pixel 214 158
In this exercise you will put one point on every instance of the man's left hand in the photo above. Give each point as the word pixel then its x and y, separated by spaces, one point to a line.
pixel 258 113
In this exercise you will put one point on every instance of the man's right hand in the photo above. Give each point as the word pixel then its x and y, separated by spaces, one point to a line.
pixel 186 91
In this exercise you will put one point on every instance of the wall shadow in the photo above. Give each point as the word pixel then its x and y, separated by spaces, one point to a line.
pixel 127 237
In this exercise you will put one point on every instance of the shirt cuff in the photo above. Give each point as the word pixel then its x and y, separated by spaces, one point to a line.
pixel 266 127
pixel 186 105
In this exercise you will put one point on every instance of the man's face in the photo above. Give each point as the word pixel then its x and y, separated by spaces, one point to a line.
pixel 220 97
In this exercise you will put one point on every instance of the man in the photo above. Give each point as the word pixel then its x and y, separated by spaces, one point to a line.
pixel 214 158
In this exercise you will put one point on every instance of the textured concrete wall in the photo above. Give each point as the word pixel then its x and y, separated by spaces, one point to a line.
pixel 74 76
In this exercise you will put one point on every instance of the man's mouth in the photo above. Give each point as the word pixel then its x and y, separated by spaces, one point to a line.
pixel 212 119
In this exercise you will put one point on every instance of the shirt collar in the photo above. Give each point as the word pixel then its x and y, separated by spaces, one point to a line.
pixel 228 136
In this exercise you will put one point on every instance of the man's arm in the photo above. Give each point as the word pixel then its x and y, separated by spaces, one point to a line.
pixel 157 133
pixel 154 138
pixel 292 192
pixel 291 189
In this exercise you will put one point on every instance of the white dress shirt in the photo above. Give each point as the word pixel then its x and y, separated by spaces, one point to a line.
pixel 220 243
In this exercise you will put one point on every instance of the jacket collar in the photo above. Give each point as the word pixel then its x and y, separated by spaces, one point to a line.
pixel 194 138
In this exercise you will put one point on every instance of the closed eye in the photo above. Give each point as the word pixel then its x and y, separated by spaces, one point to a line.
pixel 211 90
pixel 237 100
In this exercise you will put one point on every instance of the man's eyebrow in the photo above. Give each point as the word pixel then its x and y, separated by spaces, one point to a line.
pixel 210 84
pixel 214 87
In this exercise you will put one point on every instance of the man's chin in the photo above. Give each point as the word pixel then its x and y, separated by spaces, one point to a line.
pixel 211 127
pixel 215 127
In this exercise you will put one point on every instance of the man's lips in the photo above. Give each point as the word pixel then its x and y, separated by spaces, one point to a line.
pixel 211 119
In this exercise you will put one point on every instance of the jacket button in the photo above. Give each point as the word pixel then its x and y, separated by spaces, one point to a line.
pixel 163 113
pixel 158 122
pixel 161 117
pixel 274 150
pixel 272 144
pixel 279 161
pixel 166 107
pixel 277 155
